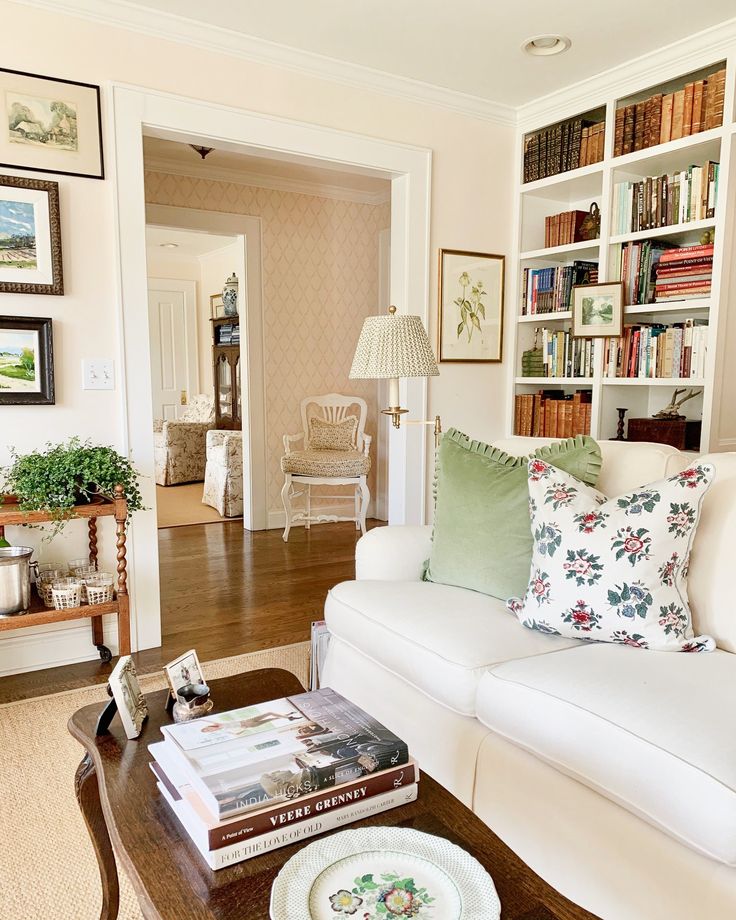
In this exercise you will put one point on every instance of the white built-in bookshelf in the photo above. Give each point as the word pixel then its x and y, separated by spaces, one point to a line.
pixel 576 190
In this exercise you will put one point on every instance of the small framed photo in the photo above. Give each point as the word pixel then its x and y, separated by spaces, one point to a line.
pixel 30 237
pixel 50 125
pixel 26 361
pixel 598 310
pixel 182 671
pixel 217 307
pixel 127 694
pixel 470 306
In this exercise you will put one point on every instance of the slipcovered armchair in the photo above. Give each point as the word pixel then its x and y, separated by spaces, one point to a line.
pixel 179 446
pixel 223 478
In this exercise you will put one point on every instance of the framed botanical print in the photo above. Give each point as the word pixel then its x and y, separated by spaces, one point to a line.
pixel 30 237
pixel 470 306
pixel 26 361
pixel 598 309
pixel 50 125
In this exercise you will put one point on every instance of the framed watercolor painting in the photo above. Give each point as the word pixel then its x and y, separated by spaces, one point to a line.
pixel 50 125
pixel 30 237
pixel 470 306
pixel 26 361
pixel 598 309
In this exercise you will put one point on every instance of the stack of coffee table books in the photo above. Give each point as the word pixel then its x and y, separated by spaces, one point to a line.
pixel 260 777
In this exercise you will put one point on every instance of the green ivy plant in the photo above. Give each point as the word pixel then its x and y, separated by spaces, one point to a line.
pixel 61 476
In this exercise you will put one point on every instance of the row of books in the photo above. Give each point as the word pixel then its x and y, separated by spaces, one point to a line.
pixel 561 229
pixel 684 274
pixel 549 290
pixel 567 145
pixel 660 201
pixel 253 779
pixel 697 107
pixel 551 414
pixel 228 334
pixel 560 355
pixel 658 351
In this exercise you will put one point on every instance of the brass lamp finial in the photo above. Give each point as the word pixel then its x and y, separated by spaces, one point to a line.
pixel 392 309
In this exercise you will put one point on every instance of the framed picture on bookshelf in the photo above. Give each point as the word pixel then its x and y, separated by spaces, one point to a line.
pixel 26 361
pixel 598 310
pixel 217 307
pixel 470 306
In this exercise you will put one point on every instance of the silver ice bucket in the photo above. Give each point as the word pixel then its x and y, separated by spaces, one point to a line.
pixel 15 579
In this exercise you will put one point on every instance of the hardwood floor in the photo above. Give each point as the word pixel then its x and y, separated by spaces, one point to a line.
pixel 224 591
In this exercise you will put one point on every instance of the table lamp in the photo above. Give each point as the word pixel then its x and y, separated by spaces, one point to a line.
pixel 390 346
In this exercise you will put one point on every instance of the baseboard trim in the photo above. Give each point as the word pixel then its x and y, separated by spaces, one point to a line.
pixel 54 646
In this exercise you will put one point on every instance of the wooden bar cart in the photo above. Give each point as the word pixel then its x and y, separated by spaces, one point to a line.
pixel 39 615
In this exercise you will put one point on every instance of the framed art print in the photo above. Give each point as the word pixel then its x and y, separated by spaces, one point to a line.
pixel 183 671
pixel 470 306
pixel 26 361
pixel 50 125
pixel 30 237
pixel 217 307
pixel 598 310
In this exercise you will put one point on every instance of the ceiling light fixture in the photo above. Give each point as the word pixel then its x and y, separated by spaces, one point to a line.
pixel 202 151
pixel 169 245
pixel 544 45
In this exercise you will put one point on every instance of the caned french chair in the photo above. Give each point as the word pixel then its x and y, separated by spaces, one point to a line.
pixel 335 452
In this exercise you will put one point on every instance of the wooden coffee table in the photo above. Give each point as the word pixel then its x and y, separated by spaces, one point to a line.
pixel 120 803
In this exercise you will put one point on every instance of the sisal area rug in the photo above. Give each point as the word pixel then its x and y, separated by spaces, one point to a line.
pixel 179 506
pixel 47 864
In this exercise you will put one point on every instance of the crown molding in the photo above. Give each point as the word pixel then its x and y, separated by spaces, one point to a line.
pixel 126 15
pixel 691 53
pixel 264 180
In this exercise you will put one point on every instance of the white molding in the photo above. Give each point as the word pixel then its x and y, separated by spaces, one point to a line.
pixel 55 645
pixel 176 28
pixel 264 180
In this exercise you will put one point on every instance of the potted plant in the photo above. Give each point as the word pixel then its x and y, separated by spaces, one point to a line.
pixel 61 476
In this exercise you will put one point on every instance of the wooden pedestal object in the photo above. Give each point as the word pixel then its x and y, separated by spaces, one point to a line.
pixel 40 615
pixel 682 433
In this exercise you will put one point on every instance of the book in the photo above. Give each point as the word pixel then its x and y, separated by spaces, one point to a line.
pixel 275 751
pixel 320 642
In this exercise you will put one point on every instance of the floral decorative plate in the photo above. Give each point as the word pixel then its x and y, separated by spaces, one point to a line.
pixel 383 873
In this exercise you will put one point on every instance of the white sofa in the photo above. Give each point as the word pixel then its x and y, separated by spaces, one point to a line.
pixel 610 770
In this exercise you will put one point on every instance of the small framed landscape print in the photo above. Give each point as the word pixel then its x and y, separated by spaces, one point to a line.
pixel 30 237
pixel 50 125
pixel 182 671
pixel 470 306
pixel 126 692
pixel 598 310
pixel 217 307
pixel 26 361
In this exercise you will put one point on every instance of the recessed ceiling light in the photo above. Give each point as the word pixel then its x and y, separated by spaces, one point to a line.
pixel 169 245
pixel 543 45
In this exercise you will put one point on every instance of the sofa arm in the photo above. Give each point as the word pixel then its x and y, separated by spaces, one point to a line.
pixel 393 553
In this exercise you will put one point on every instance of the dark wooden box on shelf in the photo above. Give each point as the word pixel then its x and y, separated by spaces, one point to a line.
pixel 40 615
pixel 226 373
pixel 682 433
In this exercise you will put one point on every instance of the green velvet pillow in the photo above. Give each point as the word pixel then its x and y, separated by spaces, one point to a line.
pixel 482 536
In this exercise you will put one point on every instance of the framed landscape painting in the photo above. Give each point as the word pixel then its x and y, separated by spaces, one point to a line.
pixel 30 237
pixel 598 310
pixel 26 361
pixel 470 306
pixel 50 125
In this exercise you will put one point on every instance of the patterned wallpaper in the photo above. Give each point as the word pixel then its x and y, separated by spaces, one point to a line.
pixel 320 280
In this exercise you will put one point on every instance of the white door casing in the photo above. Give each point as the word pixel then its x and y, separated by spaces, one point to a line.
pixel 173 338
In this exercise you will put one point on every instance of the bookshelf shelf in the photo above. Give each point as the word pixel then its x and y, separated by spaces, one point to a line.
pixel 693 226
pixel 557 381
pixel 556 183
pixel 546 317
pixel 696 305
pixel 653 382
pixel 649 158
pixel 589 247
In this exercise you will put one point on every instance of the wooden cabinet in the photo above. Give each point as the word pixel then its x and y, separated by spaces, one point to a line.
pixel 226 372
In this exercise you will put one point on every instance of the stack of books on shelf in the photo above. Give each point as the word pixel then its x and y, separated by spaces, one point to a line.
pixel 564 146
pixel 550 414
pixel 564 228
pixel 684 274
pixel 658 351
pixel 251 780
pixel 660 201
pixel 228 334
pixel 562 355
pixel 697 107
pixel 638 265
pixel 549 290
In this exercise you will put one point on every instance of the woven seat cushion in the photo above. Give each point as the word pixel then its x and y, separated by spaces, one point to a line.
pixel 326 463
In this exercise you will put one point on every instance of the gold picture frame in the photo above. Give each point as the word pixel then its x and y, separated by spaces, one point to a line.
pixel 598 310
pixel 470 304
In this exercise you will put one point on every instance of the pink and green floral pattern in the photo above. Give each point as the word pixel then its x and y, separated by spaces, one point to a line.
pixel 613 570
pixel 388 896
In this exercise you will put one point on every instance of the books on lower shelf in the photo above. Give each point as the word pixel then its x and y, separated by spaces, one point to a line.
pixel 658 271
pixel 551 414
pixel 263 776
pixel 558 354
pixel 661 201
pixel 564 228
pixel 663 117
pixel 549 290
pixel 561 147
pixel 658 351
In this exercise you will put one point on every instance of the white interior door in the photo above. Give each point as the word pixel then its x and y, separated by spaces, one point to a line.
pixel 172 327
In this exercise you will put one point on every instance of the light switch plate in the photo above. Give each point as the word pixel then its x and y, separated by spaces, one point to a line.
pixel 98 374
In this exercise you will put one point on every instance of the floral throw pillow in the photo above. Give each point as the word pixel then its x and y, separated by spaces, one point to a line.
pixel 613 569
pixel 326 435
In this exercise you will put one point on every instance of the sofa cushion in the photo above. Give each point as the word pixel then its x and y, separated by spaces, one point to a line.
pixel 651 732
pixel 438 638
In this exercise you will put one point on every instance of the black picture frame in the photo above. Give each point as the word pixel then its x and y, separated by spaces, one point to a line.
pixel 95 89
pixel 56 285
pixel 46 396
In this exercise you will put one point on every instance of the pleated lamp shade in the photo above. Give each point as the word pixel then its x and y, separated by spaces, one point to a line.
pixel 393 345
